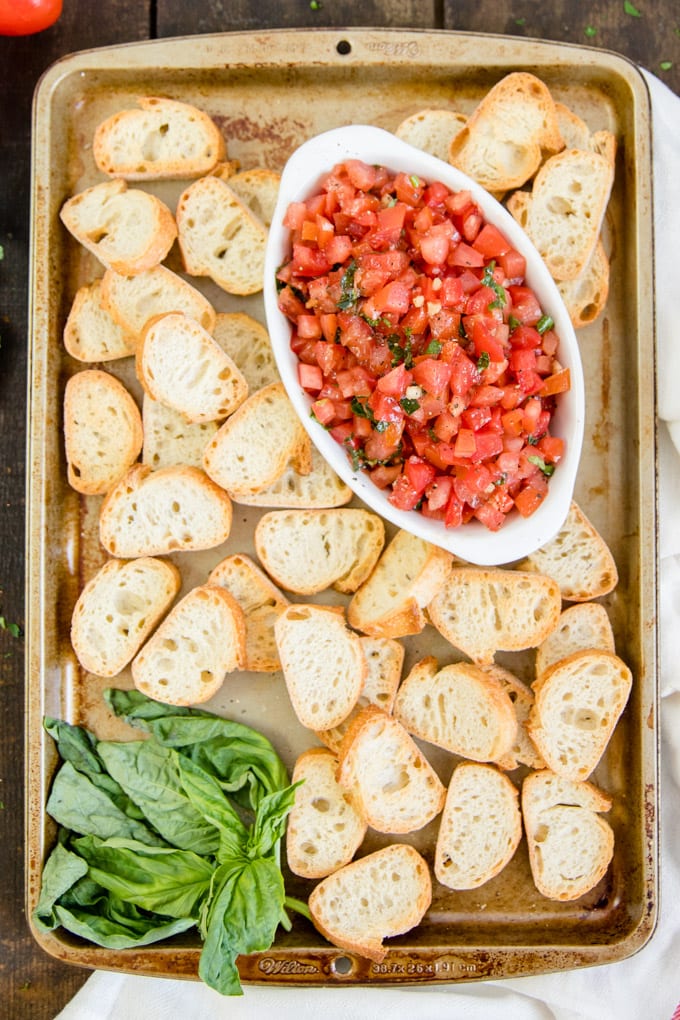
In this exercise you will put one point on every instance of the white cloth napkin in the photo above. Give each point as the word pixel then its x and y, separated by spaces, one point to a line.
pixel 645 985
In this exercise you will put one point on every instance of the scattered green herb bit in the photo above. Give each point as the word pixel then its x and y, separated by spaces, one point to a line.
pixel 350 295
pixel 415 181
pixel 409 404
pixel 547 469
pixel 12 628
pixel 360 409
pixel 180 830
pixel 545 323
pixel 374 323
pixel 316 5
pixel 520 21
pixel 631 9
pixel 532 440
pixel 666 65
pixel 501 480
pixel 432 434
pixel 2 253
pixel 590 31
pixel 433 348
pixel 513 322
pixel 483 361
pixel 488 281
pixel 461 330
pixel 400 352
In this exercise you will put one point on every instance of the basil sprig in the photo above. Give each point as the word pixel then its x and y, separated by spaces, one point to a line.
pixel 180 830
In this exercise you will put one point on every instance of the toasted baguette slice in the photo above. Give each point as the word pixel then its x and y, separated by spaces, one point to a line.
pixel 90 333
pixel 127 229
pixel 201 640
pixel 117 610
pixel 132 301
pixel 570 845
pixel 406 578
pixel 325 828
pixel 396 786
pixel 574 130
pixel 163 138
pixel 322 661
pixel 381 895
pixel 585 296
pixel 179 363
pixel 247 343
pixel 320 489
pixel 480 827
pixel 583 626
pixel 102 429
pixel 564 212
pixel 458 707
pixel 259 190
pixel 482 611
pixel 262 603
pixel 254 446
pixel 501 145
pixel 523 750
pixel 176 509
pixel 306 551
pixel 578 702
pixel 169 439
pixel 432 130
pixel 384 661
pixel 578 558
pixel 220 237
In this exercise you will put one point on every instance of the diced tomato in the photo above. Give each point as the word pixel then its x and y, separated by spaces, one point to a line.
pixel 310 376
pixel 557 383
pixel 464 255
pixel 490 242
pixel 513 264
pixel 525 306
pixel 324 410
pixel 384 474
pixel 308 261
pixel 528 500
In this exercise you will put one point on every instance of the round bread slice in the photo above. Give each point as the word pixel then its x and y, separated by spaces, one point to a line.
pixel 318 490
pixel 432 130
pixel 578 702
pixel 460 707
pixel 583 626
pixel 255 445
pixel 325 826
pixel 163 138
pixel 258 189
pixel 306 551
pixel 132 301
pixel 127 229
pixel 570 845
pixel 384 894
pixel 397 788
pixel 169 439
pixel 180 364
pixel 91 333
pixel 482 611
pixel 102 430
pixel 391 602
pixel 247 343
pixel 117 610
pixel 262 603
pixel 480 827
pixel 187 658
pixel 174 509
pixel 578 558
pixel 322 661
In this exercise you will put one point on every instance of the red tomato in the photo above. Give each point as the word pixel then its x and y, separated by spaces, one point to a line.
pixel 415 333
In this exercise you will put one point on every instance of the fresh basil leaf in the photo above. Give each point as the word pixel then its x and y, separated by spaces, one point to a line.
pixel 78 746
pixel 270 821
pixel 159 879
pixel 545 323
pixel 242 760
pixel 77 804
pixel 209 801
pixel 113 924
pixel 243 918
pixel 61 871
pixel 150 775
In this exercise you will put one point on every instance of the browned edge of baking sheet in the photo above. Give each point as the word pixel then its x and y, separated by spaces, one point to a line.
pixel 269 91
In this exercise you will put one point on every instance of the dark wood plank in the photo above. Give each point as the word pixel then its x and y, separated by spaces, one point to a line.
pixel 651 40
pixel 176 17
pixel 33 984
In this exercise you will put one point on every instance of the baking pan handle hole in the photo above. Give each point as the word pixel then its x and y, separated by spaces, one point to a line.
pixel 342 966
pixel 344 47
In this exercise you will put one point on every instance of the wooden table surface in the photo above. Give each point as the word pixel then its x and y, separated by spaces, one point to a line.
pixel 32 985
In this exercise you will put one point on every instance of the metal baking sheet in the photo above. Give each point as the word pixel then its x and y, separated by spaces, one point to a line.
pixel 269 92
